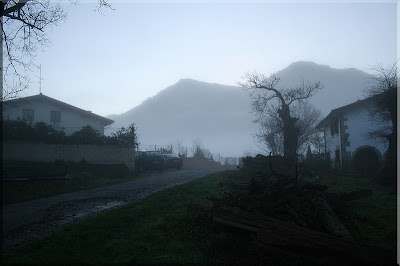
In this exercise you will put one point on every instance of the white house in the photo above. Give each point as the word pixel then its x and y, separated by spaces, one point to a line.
pixel 346 134
pixel 41 108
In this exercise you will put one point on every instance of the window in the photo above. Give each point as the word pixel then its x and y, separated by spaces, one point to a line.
pixel 334 126
pixel 28 114
pixel 337 156
pixel 55 116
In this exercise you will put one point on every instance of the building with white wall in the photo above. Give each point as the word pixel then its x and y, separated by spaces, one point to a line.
pixel 346 134
pixel 41 108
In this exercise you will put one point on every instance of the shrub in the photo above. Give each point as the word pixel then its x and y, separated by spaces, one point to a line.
pixel 25 130
pixel 41 132
pixel 87 135
pixel 124 136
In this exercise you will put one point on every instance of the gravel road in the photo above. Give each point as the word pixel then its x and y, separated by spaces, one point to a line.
pixel 24 222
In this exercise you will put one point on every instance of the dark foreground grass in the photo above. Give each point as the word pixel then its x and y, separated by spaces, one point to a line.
pixel 378 213
pixel 159 228
pixel 20 191
pixel 155 229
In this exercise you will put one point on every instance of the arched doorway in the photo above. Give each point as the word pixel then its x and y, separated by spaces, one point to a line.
pixel 366 160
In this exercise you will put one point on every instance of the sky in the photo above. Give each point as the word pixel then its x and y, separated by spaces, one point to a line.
pixel 112 61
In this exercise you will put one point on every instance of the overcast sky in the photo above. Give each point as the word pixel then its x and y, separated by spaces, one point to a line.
pixel 111 63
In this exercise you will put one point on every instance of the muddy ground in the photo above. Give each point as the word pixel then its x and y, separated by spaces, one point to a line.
pixel 24 222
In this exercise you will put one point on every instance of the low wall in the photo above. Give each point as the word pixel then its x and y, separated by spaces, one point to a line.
pixel 41 152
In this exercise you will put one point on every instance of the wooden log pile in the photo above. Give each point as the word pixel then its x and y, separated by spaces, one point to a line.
pixel 288 243
pixel 284 220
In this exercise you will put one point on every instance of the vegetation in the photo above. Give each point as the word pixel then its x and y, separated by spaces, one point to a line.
pixel 276 108
pixel 199 151
pixel 155 229
pixel 377 225
pixel 171 227
pixel 41 132
pixel 24 31
pixel 383 89
pixel 166 150
pixel 82 177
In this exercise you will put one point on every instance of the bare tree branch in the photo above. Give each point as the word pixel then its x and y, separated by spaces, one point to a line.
pixel 23 21
pixel 278 122
pixel 383 111
pixel 16 7
pixel 24 26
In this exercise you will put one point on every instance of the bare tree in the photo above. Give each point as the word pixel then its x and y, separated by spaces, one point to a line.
pixel 180 148
pixel 271 135
pixel 24 26
pixel 309 117
pixel 267 95
pixel 199 151
pixel 383 88
pixel 317 140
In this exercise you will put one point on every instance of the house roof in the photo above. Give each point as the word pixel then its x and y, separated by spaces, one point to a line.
pixel 42 97
pixel 338 111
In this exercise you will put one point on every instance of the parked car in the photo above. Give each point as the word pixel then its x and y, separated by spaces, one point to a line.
pixel 172 161
pixel 149 160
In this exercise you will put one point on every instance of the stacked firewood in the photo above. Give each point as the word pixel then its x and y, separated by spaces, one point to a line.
pixel 277 218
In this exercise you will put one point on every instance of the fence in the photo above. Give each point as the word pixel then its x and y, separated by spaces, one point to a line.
pixel 189 152
pixel 313 157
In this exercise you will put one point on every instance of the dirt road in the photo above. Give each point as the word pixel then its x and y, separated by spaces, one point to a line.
pixel 23 222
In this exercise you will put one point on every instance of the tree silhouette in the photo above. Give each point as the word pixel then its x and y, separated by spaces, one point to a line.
pixel 265 92
pixel 24 26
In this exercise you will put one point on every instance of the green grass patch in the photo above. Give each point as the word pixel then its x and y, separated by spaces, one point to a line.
pixel 20 191
pixel 155 229
pixel 377 215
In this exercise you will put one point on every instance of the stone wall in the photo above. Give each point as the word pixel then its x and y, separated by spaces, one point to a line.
pixel 41 152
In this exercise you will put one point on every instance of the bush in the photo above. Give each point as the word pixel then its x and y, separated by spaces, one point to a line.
pixel 41 132
pixel 87 135
pixel 24 130
pixel 124 136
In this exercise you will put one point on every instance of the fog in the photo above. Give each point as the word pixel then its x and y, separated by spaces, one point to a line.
pixel 221 116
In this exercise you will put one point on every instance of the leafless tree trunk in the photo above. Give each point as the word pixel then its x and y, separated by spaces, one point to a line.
pixel 264 92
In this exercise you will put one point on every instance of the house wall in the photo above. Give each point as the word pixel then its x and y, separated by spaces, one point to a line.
pixel 41 152
pixel 332 142
pixel 353 129
pixel 71 120
pixel 358 125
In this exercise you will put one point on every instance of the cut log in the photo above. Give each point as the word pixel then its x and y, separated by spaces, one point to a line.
pixel 329 219
pixel 285 239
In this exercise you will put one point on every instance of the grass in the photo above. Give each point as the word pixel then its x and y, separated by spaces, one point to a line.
pixel 379 211
pixel 155 229
pixel 159 228
pixel 20 191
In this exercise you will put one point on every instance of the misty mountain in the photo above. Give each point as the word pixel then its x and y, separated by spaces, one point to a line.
pixel 217 114
pixel 341 86
pixel 220 115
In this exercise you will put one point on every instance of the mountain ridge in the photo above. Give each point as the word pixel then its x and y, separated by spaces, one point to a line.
pixel 221 115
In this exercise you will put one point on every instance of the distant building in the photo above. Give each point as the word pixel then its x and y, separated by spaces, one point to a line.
pixel 346 135
pixel 41 108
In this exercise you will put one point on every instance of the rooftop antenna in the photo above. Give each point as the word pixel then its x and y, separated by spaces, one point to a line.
pixel 40 79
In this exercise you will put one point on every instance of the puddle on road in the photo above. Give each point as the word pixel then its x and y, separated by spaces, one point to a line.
pixel 97 208
pixel 108 205
pixel 85 211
